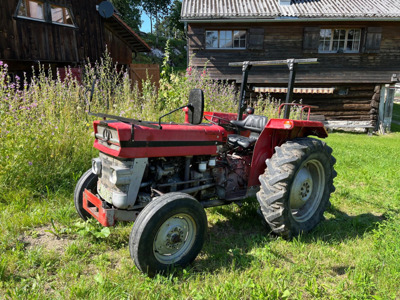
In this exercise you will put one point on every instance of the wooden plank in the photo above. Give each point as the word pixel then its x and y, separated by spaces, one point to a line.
pixel 140 72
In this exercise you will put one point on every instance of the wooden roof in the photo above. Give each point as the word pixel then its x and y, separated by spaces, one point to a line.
pixel 297 9
pixel 126 33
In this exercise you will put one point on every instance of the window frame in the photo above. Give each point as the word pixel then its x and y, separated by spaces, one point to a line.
pixel 346 40
pixel 226 41
pixel 47 15
pixel 27 8
pixel 65 11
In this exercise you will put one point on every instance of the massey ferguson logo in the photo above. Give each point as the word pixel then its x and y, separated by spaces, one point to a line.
pixel 107 135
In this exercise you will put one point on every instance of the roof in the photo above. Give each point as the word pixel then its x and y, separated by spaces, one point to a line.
pixel 133 40
pixel 301 9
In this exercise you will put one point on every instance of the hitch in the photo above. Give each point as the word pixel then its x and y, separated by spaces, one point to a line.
pixel 292 65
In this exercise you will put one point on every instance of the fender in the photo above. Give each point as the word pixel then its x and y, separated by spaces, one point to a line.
pixel 275 133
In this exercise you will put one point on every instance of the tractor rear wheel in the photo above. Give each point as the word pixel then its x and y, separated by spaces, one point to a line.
pixel 169 231
pixel 87 181
pixel 296 186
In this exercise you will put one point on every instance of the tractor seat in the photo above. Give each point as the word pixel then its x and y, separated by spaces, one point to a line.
pixel 255 124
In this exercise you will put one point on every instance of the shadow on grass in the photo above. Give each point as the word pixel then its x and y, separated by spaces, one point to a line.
pixel 230 241
pixel 343 227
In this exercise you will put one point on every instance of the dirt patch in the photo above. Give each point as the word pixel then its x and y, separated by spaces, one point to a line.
pixel 43 237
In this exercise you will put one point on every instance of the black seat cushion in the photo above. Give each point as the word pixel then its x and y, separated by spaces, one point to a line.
pixel 242 141
pixel 253 123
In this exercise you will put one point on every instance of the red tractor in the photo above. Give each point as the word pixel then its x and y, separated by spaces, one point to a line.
pixel 163 175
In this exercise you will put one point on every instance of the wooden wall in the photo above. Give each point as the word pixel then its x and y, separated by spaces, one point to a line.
pixel 285 40
pixel 117 47
pixel 361 102
pixel 28 40
pixel 25 42
pixel 361 74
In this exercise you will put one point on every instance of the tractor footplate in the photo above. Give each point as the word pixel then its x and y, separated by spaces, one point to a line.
pixel 106 216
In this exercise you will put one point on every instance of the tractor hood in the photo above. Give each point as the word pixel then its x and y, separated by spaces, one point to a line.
pixel 125 140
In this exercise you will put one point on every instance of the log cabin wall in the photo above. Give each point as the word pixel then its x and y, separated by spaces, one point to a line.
pixel 360 103
pixel 355 76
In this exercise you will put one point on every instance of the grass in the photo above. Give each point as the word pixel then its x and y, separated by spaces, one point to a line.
pixel 48 253
pixel 354 253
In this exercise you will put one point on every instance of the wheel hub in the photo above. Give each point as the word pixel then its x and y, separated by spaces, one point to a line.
pixel 302 188
pixel 174 238
pixel 307 190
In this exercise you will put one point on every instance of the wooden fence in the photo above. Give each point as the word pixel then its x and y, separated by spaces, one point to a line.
pixel 140 72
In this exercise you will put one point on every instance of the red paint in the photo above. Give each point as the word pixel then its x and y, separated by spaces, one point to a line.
pixel 93 206
pixel 274 134
pixel 209 134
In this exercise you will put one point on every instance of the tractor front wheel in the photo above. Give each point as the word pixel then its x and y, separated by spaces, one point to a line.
pixel 87 181
pixel 296 186
pixel 169 231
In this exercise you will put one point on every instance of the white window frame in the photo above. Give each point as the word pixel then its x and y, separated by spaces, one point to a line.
pixel 232 39
pixel 332 40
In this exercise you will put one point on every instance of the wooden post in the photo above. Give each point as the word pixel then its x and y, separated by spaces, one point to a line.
pixel 386 108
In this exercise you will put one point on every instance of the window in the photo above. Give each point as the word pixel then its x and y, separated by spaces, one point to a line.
pixel 42 10
pixel 60 15
pixel 226 39
pixel 31 9
pixel 339 41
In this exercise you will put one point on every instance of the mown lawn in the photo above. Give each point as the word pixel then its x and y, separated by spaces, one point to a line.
pixel 47 253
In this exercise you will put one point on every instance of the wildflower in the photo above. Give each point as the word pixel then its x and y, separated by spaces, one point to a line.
pixel 1 63
pixel 30 163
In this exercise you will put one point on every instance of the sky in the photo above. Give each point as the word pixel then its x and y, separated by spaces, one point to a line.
pixel 146 23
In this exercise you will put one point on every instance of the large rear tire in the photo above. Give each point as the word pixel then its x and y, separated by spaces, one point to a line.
pixel 87 181
pixel 169 231
pixel 296 186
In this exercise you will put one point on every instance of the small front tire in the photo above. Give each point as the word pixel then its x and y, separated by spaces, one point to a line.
pixel 170 231
pixel 87 181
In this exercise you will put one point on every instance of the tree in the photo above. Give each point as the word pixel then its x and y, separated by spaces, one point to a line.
pixel 130 12
pixel 174 23
pixel 155 9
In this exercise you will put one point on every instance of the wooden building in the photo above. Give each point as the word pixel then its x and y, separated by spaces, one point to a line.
pixel 356 43
pixel 62 33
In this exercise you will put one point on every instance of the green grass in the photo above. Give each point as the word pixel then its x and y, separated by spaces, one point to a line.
pixel 354 253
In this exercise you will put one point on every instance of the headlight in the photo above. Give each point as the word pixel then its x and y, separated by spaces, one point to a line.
pixel 114 177
pixel 96 166
pixel 120 176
